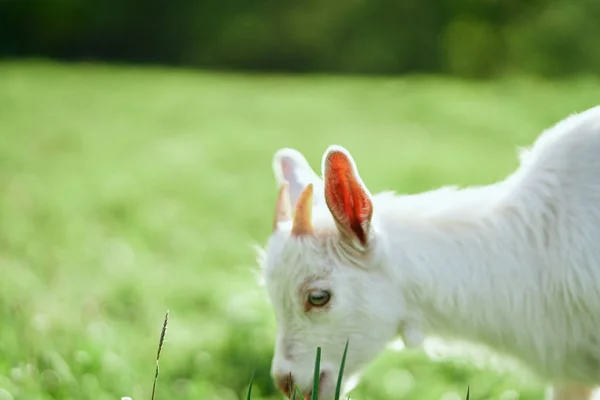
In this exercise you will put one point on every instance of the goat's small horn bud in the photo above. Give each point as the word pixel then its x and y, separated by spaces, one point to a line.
pixel 283 208
pixel 303 216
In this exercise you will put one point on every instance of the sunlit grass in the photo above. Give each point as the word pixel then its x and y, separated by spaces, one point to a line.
pixel 317 369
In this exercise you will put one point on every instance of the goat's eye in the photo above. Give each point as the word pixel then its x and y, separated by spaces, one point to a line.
pixel 319 298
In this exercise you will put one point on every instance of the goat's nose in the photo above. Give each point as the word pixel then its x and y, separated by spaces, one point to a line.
pixel 285 383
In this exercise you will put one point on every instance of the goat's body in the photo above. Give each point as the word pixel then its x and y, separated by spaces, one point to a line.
pixel 514 265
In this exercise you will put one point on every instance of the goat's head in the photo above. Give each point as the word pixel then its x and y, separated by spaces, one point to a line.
pixel 326 272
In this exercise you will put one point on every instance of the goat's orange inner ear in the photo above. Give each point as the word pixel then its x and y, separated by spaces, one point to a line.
pixel 345 196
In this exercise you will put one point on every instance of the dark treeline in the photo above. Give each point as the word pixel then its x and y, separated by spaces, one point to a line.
pixel 476 38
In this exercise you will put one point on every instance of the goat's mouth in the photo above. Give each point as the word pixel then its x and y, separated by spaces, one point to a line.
pixel 307 395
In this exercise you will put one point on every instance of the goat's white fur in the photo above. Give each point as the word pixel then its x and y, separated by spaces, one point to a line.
pixel 514 265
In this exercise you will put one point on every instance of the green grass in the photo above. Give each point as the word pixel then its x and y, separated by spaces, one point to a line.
pixel 127 192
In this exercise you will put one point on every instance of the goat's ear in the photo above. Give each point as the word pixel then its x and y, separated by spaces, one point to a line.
pixel 347 198
pixel 289 165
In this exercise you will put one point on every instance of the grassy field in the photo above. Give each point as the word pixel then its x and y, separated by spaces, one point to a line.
pixel 126 192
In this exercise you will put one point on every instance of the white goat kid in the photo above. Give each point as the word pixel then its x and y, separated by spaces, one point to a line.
pixel 514 265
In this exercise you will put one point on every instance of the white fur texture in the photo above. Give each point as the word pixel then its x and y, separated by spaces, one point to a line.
pixel 514 266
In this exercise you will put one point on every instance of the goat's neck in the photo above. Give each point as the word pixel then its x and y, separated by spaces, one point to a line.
pixel 459 271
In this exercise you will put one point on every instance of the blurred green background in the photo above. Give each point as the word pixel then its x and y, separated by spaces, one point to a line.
pixel 135 169
pixel 475 38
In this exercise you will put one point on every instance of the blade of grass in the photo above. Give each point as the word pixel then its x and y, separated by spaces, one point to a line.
pixel 468 392
pixel 315 391
pixel 163 332
pixel 250 387
pixel 297 391
pixel 338 387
